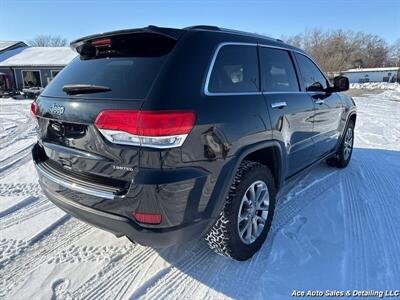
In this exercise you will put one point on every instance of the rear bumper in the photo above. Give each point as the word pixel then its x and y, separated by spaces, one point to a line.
pixel 121 226
pixel 186 197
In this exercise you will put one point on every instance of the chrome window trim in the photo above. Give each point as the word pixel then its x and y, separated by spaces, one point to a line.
pixel 283 92
pixel 211 67
pixel 275 47
pixel 216 52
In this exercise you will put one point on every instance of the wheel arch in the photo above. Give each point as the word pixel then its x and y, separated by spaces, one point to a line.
pixel 255 152
pixel 352 116
pixel 271 157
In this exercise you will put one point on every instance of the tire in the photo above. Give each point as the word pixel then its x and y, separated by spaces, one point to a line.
pixel 224 237
pixel 342 157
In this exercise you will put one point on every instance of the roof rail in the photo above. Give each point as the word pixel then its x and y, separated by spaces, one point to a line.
pixel 234 31
pixel 245 33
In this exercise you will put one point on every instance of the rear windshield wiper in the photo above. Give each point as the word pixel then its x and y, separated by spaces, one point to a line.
pixel 74 89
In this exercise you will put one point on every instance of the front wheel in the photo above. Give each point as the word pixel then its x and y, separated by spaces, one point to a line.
pixel 343 156
pixel 244 223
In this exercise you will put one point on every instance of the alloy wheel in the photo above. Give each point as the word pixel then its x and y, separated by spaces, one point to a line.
pixel 253 212
pixel 348 143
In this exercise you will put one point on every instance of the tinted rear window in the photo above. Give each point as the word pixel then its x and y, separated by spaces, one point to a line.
pixel 235 70
pixel 128 67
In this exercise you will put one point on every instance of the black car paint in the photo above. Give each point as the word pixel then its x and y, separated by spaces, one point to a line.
pixel 187 185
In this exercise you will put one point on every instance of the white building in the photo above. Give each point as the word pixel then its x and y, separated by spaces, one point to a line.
pixel 390 74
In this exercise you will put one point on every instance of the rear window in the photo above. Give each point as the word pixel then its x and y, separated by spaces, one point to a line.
pixel 235 70
pixel 127 65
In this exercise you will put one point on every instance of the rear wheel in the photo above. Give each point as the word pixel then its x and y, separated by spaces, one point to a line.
pixel 243 225
pixel 343 156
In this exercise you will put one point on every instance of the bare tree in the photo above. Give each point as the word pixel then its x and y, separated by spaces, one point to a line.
pixel 375 51
pixel 295 40
pixel 394 54
pixel 340 50
pixel 48 41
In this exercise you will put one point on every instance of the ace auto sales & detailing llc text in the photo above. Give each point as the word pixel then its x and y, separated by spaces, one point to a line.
pixel 348 293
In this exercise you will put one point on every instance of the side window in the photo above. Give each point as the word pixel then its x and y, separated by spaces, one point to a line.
pixel 277 71
pixel 313 79
pixel 235 70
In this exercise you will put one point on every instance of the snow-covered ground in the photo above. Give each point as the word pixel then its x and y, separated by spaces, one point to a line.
pixel 334 229
pixel 391 91
pixel 376 86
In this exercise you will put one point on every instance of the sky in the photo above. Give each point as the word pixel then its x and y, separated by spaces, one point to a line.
pixel 23 20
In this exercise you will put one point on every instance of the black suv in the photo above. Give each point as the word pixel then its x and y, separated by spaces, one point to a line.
pixel 165 135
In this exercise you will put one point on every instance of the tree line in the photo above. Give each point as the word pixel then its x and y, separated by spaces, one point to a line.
pixel 45 40
pixel 334 51
pixel 340 50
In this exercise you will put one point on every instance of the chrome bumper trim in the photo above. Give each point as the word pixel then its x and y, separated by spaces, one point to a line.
pixel 73 186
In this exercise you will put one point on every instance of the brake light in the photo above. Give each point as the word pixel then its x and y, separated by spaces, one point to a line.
pixel 101 42
pixel 34 109
pixel 147 218
pixel 156 129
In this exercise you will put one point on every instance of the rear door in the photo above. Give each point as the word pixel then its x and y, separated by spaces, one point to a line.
pixel 112 73
pixel 328 106
pixel 291 110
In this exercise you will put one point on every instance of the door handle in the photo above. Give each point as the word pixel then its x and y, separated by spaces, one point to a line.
pixel 280 104
pixel 320 101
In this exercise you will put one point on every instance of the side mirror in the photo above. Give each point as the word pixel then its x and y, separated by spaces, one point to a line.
pixel 340 83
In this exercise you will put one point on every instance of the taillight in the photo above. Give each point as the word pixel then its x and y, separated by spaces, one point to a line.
pixel 155 129
pixel 34 109
pixel 147 218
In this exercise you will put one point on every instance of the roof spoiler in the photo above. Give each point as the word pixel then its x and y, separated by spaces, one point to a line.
pixel 168 32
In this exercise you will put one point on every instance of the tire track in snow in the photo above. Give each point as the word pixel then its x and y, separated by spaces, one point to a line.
pixel 177 279
pixel 78 253
pixel 17 159
pixel 389 235
pixel 24 127
pixel 289 205
pixel 122 274
pixel 135 281
pixel 115 275
pixel 18 149
pixel 136 284
pixel 10 248
pixel 120 278
pixel 356 235
pixel 375 247
pixel 22 203
pixel 369 227
pixel 19 189
pixel 26 212
pixel 38 253
pixel 17 248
